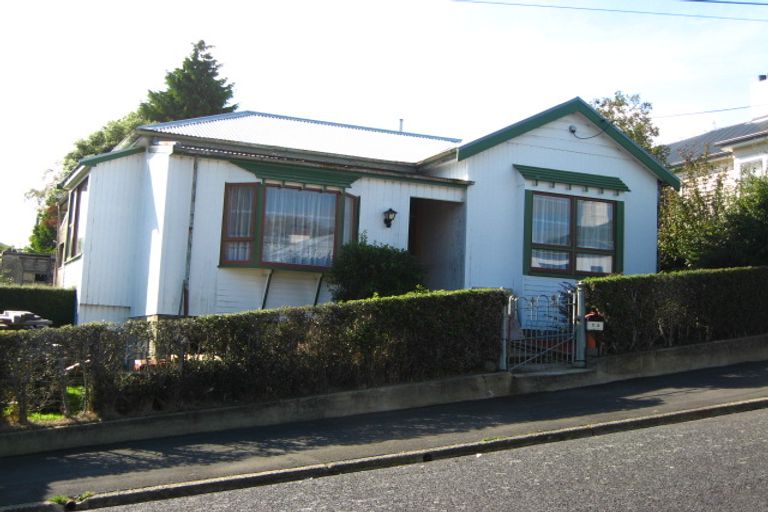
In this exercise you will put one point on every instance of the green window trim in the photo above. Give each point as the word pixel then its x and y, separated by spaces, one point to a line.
pixel 618 256
pixel 571 178
pixel 334 177
pixel 298 174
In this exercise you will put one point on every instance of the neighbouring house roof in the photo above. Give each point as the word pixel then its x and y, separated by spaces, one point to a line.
pixel 713 142
pixel 301 134
pixel 576 105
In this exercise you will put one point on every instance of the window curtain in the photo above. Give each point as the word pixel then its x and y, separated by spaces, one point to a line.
pixel 240 203
pixel 551 220
pixel 299 227
pixel 594 225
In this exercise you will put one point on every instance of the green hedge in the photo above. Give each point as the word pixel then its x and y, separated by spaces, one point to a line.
pixel 55 304
pixel 259 355
pixel 644 312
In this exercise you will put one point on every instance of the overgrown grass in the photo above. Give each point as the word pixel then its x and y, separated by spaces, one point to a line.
pixel 75 397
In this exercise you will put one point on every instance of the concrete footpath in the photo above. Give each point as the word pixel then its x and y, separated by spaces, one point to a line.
pixel 154 469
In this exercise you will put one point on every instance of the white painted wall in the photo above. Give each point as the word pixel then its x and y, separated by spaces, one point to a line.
pixel 495 203
pixel 377 195
pixel 104 274
pixel 214 289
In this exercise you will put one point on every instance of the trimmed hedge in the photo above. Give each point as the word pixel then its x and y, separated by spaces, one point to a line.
pixel 55 304
pixel 258 355
pixel 644 312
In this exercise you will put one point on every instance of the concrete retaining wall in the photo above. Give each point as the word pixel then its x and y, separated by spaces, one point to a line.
pixel 473 387
pixel 459 389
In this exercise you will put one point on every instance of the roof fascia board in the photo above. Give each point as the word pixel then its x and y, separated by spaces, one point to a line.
pixel 741 141
pixel 278 151
pixel 576 105
pixel 88 162
pixel 91 161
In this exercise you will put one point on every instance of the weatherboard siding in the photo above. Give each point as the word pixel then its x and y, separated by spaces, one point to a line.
pixel 103 274
pixel 495 216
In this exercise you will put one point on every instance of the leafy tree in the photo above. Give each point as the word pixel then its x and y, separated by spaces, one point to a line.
pixel 194 90
pixel 102 140
pixel 633 117
pixel 362 270
pixel 693 223
pixel 747 230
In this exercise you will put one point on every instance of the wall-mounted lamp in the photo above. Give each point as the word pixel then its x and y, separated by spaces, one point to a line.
pixel 389 216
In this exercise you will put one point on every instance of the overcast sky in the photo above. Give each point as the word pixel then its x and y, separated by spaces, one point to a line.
pixel 447 68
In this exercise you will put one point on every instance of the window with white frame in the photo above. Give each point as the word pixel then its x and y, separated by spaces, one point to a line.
pixel 751 168
pixel 570 235
pixel 274 226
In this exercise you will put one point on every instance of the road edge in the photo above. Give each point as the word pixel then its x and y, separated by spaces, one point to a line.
pixel 219 484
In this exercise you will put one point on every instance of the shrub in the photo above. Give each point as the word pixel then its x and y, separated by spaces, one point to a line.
pixel 257 355
pixel 644 312
pixel 55 304
pixel 364 270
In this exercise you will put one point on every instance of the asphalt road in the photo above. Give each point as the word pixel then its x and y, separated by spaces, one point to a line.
pixel 717 464
pixel 182 459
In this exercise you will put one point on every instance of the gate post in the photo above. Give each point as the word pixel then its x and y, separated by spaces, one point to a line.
pixel 580 359
pixel 505 317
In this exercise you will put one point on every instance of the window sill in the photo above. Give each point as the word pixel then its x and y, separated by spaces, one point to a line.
pixel 270 266
pixel 72 259
pixel 564 275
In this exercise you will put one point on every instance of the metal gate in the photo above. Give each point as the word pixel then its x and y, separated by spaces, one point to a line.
pixel 545 331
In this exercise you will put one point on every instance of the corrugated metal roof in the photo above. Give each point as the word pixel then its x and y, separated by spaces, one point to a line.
pixel 710 141
pixel 309 135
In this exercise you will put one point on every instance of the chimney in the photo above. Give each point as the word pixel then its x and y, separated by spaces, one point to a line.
pixel 759 98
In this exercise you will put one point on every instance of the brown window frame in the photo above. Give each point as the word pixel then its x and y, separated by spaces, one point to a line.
pixel 251 238
pixel 256 235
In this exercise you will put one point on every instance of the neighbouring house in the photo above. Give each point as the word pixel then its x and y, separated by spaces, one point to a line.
pixel 734 151
pixel 246 210
pixel 26 267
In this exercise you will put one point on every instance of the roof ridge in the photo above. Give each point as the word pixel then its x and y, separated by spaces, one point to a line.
pixel 248 113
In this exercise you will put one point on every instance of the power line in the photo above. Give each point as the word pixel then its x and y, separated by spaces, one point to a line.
pixel 703 112
pixel 726 2
pixel 620 11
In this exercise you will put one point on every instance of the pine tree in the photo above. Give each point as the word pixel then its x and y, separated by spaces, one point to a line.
pixel 194 90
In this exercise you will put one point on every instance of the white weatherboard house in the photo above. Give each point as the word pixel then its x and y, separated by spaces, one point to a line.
pixel 247 210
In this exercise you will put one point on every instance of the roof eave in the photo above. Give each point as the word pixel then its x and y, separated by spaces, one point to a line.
pixel 290 153
pixel 576 105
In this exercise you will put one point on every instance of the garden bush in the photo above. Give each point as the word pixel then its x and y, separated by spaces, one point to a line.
pixel 55 304
pixel 363 270
pixel 644 312
pixel 257 355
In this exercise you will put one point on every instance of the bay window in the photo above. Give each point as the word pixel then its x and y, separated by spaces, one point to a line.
pixel 273 226
pixel 572 236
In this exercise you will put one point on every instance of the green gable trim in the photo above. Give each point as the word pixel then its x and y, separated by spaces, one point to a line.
pixel 298 174
pixel 571 178
pixel 576 105
pixel 90 161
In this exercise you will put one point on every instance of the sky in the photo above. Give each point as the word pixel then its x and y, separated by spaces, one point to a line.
pixel 452 68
